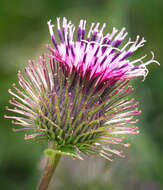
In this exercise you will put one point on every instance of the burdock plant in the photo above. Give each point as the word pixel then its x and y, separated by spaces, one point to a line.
pixel 76 96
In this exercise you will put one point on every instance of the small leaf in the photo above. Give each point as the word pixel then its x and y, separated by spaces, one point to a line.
pixel 67 151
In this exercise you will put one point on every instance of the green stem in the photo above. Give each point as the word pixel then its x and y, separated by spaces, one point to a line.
pixel 49 170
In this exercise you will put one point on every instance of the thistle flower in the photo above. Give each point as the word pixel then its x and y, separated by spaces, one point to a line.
pixel 77 95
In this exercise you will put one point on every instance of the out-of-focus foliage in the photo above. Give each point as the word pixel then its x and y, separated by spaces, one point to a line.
pixel 23 36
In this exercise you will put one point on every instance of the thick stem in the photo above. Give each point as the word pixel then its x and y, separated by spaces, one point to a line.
pixel 48 171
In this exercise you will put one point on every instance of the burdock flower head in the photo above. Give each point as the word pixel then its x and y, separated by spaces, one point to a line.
pixel 76 96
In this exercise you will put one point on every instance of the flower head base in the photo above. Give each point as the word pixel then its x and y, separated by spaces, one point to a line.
pixel 76 96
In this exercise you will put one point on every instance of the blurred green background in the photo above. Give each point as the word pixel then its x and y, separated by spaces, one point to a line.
pixel 23 35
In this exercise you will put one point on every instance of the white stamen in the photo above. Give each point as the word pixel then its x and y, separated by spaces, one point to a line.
pixel 90 30
pixel 120 35
pixel 50 28
pixel 114 31
pixel 138 60
pixel 135 46
pixel 101 31
pixel 58 23
pixel 96 27
pixel 151 61
pixel 125 46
